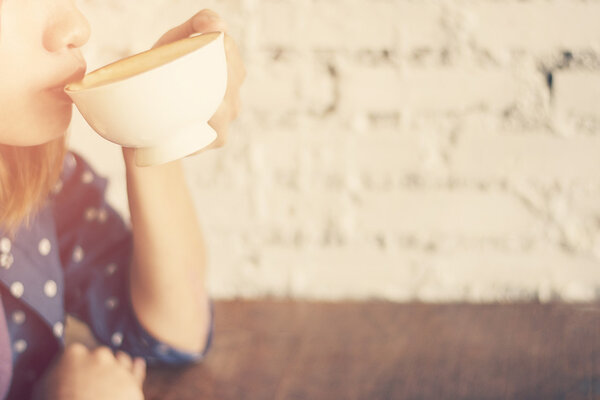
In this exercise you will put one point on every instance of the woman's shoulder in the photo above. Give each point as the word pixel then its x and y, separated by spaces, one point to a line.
pixel 75 166
pixel 77 175
pixel 78 193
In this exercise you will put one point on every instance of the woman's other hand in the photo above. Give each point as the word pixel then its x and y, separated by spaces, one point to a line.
pixel 83 374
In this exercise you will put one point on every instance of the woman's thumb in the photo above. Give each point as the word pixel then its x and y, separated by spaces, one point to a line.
pixel 204 21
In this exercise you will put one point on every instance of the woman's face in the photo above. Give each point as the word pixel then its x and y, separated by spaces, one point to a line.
pixel 40 44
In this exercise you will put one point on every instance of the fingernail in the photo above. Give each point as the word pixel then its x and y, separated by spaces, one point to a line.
pixel 204 18
pixel 197 23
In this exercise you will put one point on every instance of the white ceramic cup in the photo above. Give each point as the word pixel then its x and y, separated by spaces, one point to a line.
pixel 158 101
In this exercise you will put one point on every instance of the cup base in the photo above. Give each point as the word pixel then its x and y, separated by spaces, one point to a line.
pixel 189 141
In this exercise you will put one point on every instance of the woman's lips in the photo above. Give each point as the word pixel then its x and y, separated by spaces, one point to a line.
pixel 58 90
pixel 59 93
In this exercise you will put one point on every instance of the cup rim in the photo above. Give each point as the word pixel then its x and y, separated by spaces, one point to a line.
pixel 126 60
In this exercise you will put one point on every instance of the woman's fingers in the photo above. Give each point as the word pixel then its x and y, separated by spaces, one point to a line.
pixel 204 21
pixel 139 370
pixel 124 359
pixel 136 366
pixel 235 62
pixel 208 21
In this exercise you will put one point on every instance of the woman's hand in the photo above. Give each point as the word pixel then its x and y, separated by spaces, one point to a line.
pixel 209 21
pixel 82 374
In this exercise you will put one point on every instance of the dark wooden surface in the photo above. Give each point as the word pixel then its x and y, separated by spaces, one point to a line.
pixel 378 350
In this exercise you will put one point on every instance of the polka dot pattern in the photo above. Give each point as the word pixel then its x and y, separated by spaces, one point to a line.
pixel 20 346
pixel 71 161
pixel 49 272
pixel 57 187
pixel 17 289
pixel 90 214
pixel 117 338
pixel 111 268
pixel 18 317
pixel 50 288
pixel 44 247
pixel 112 303
pixel 77 254
pixel 87 177
pixel 5 245
pixel 6 260
pixel 58 329
pixel 102 215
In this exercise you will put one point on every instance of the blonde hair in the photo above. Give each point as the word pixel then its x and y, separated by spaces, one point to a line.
pixel 27 175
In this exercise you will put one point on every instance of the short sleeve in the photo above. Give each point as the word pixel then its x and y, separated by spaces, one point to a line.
pixel 96 248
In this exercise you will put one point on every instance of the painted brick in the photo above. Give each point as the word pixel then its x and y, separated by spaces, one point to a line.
pixel 535 25
pixel 391 149
pixel 439 88
pixel 272 89
pixel 436 210
pixel 278 24
pixel 525 155
pixel 577 92
pixel 419 23
pixel 348 25
pixel 386 88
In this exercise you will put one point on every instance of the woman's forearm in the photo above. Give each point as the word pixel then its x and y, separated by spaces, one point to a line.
pixel 168 269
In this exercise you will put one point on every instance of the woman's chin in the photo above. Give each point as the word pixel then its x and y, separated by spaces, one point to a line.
pixel 35 123
pixel 43 135
pixel 57 128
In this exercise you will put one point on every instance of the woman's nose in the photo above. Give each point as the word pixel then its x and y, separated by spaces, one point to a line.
pixel 67 28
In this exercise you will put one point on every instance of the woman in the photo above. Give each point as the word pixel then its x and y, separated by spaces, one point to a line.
pixel 64 250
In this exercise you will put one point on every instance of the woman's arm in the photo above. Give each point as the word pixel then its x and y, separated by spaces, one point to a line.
pixel 168 269
pixel 167 275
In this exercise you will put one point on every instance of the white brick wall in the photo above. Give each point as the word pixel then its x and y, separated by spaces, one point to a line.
pixel 434 150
